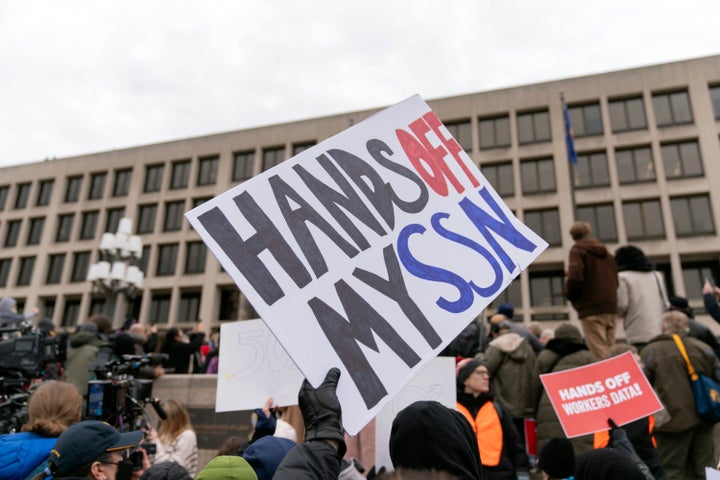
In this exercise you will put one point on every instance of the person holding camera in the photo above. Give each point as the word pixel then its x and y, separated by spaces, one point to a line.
pixel 52 408
pixel 181 349
pixel 175 440
pixel 95 450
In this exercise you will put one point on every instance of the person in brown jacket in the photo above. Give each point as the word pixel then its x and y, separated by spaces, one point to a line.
pixel 591 286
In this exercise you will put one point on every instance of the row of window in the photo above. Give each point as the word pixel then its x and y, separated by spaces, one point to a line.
pixel 634 165
pixel 167 255
pixel 643 220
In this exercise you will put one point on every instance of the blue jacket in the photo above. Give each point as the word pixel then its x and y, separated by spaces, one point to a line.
pixel 20 453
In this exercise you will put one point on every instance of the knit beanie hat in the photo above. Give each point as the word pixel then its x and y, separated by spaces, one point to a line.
pixel 607 463
pixel 166 471
pixel 569 333
pixel 227 467
pixel 630 257
pixel 464 369
pixel 506 309
pixel 557 458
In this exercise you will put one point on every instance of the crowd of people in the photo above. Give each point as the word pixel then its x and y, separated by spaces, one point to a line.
pixel 502 409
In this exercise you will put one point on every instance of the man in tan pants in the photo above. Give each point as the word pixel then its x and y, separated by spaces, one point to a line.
pixel 591 286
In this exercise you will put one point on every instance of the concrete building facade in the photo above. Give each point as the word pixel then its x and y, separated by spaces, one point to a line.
pixel 648 161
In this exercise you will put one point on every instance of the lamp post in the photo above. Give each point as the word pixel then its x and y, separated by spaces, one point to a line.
pixel 117 271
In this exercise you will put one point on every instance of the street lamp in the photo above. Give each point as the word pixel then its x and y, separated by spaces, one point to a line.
pixel 117 271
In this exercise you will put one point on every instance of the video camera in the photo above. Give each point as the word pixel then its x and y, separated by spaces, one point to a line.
pixel 24 356
pixel 118 398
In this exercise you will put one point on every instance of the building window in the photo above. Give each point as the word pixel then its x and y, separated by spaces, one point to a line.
pixel 635 165
pixel 462 133
pixel 5 265
pixel 301 147
pixel 601 219
pixel 195 257
pixel 643 220
pixel 715 99
pixel 64 229
pixel 692 215
pixel 160 308
pixel 145 258
pixel 199 201
pixel 627 114
pixel 272 157
pixel 4 191
pixel 23 193
pixel 71 313
pixel 167 258
pixel 229 303
pixel 73 186
pixel 121 187
pixel 13 233
pixel 146 218
pixel 55 268
pixel 81 262
pixel 173 216
pixel 89 225
pixel 45 188
pixel 591 170
pixel 545 223
pixel 586 120
pixel 512 295
pixel 681 160
pixel 153 178
pixel 494 132
pixel 546 289
pixel 97 185
pixel 243 165
pixel 180 174
pixel 672 108
pixel 35 231
pixel 538 176
pixel 694 275
pixel 27 265
pixel 533 127
pixel 113 219
pixel 189 307
pixel 500 176
pixel 208 171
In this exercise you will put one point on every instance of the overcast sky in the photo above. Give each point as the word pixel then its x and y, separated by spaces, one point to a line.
pixel 86 76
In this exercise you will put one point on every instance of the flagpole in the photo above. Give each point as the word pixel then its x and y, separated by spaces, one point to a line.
pixel 571 153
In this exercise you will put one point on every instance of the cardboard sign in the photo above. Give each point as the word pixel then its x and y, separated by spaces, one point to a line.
pixel 585 397
pixel 434 382
pixel 369 252
pixel 253 366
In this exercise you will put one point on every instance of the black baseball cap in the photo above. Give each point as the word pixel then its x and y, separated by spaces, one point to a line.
pixel 85 441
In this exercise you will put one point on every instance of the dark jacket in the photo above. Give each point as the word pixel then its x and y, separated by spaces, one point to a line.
pixel 667 372
pixel 513 456
pixel 591 278
pixel 180 353
pixel 310 460
pixel 266 454
pixel 711 306
pixel 559 355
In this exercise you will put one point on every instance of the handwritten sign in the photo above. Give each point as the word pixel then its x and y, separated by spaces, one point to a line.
pixel 253 366
pixel 585 397
pixel 370 251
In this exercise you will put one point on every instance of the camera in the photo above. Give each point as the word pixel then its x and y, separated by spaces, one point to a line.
pixel 27 354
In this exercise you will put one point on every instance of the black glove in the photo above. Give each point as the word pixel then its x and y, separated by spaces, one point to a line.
pixel 321 410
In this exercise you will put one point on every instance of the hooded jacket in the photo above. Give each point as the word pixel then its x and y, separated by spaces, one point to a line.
pixel 511 363
pixel 429 436
pixel 265 455
pixel 591 278
pixel 81 354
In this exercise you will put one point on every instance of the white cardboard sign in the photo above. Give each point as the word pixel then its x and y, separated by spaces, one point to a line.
pixel 369 252
pixel 253 366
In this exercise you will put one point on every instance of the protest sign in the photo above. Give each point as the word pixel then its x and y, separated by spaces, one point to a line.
pixel 584 398
pixel 369 252
pixel 253 366
pixel 434 382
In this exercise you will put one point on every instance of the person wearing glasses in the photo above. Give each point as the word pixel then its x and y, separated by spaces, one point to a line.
pixel 95 450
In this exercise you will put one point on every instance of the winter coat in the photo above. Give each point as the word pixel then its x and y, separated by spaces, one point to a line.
pixel 667 372
pixel 559 355
pixel 266 454
pixel 591 278
pixel 183 450
pixel 641 301
pixel 81 355
pixel 180 353
pixel 511 363
pixel 20 453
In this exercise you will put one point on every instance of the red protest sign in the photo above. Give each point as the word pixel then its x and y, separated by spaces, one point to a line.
pixel 585 397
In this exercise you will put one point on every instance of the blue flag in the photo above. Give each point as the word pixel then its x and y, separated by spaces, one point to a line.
pixel 569 138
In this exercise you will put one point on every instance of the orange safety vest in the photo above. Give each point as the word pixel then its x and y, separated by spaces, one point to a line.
pixel 488 429
pixel 602 439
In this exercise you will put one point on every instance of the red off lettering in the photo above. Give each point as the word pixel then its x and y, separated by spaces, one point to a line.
pixel 453 147
pixel 423 161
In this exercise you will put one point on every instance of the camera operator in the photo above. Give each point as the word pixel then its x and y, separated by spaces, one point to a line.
pixel 9 314
pixel 88 348
pixel 182 349
pixel 52 408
